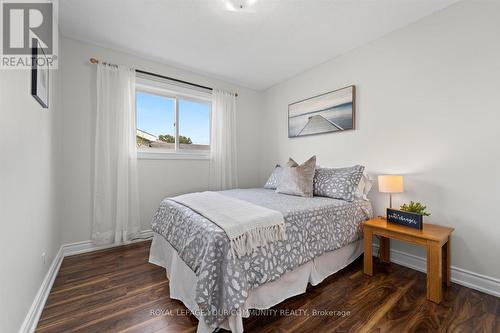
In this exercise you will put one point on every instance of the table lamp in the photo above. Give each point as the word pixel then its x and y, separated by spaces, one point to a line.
pixel 390 184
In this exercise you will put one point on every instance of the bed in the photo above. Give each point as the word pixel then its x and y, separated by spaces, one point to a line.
pixel 322 236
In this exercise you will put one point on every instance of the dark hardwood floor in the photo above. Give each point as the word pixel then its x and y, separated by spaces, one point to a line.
pixel 117 290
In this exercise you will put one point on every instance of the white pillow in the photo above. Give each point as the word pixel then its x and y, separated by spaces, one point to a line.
pixel 364 187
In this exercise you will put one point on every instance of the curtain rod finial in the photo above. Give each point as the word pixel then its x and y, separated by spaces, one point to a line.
pixel 94 61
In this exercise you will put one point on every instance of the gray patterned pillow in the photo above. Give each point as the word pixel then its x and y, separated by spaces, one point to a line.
pixel 337 183
pixel 272 182
pixel 298 179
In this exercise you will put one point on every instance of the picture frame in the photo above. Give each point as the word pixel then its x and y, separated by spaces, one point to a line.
pixel 333 111
pixel 39 74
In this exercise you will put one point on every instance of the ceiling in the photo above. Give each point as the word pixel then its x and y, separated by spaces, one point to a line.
pixel 274 41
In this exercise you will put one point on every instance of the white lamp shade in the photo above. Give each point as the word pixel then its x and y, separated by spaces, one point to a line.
pixel 390 184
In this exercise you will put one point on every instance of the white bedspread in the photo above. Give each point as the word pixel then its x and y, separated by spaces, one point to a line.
pixel 247 225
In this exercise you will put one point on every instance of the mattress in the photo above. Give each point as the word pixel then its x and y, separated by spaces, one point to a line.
pixel 313 226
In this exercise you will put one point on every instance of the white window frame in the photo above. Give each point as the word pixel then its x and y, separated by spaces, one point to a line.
pixel 164 88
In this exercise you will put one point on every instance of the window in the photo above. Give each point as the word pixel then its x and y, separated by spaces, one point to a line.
pixel 173 121
pixel 155 120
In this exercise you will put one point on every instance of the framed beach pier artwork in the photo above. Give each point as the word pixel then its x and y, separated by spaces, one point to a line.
pixel 330 112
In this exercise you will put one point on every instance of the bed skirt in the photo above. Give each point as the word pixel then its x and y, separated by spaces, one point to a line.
pixel 182 280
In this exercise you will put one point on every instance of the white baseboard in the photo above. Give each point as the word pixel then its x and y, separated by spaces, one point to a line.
pixel 31 319
pixel 483 283
pixel 88 246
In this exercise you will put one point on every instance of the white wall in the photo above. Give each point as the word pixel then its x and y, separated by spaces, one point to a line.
pixel 158 178
pixel 428 107
pixel 29 152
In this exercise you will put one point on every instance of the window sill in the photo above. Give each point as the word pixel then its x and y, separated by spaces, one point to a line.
pixel 146 155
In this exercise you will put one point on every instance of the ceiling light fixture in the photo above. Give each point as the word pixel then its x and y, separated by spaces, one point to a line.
pixel 240 5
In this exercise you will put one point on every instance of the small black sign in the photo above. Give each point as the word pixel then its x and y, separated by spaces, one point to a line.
pixel 407 219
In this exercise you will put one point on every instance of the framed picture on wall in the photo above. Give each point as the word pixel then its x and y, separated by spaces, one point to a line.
pixel 39 74
pixel 333 111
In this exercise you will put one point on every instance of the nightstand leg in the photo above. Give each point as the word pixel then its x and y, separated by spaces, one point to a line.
pixel 368 259
pixel 446 253
pixel 385 249
pixel 434 279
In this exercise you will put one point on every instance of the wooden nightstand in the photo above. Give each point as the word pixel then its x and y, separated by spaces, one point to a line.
pixel 435 238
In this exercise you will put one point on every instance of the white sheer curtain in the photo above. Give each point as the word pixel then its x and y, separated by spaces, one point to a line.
pixel 115 197
pixel 223 169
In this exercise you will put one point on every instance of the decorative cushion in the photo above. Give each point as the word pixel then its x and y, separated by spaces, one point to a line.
pixel 298 179
pixel 272 182
pixel 338 183
pixel 364 187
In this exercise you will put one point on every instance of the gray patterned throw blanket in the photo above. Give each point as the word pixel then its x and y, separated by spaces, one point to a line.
pixel 313 226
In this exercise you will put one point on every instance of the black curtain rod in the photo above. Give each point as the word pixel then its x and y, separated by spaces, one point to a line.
pixel 172 79
pixel 95 61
